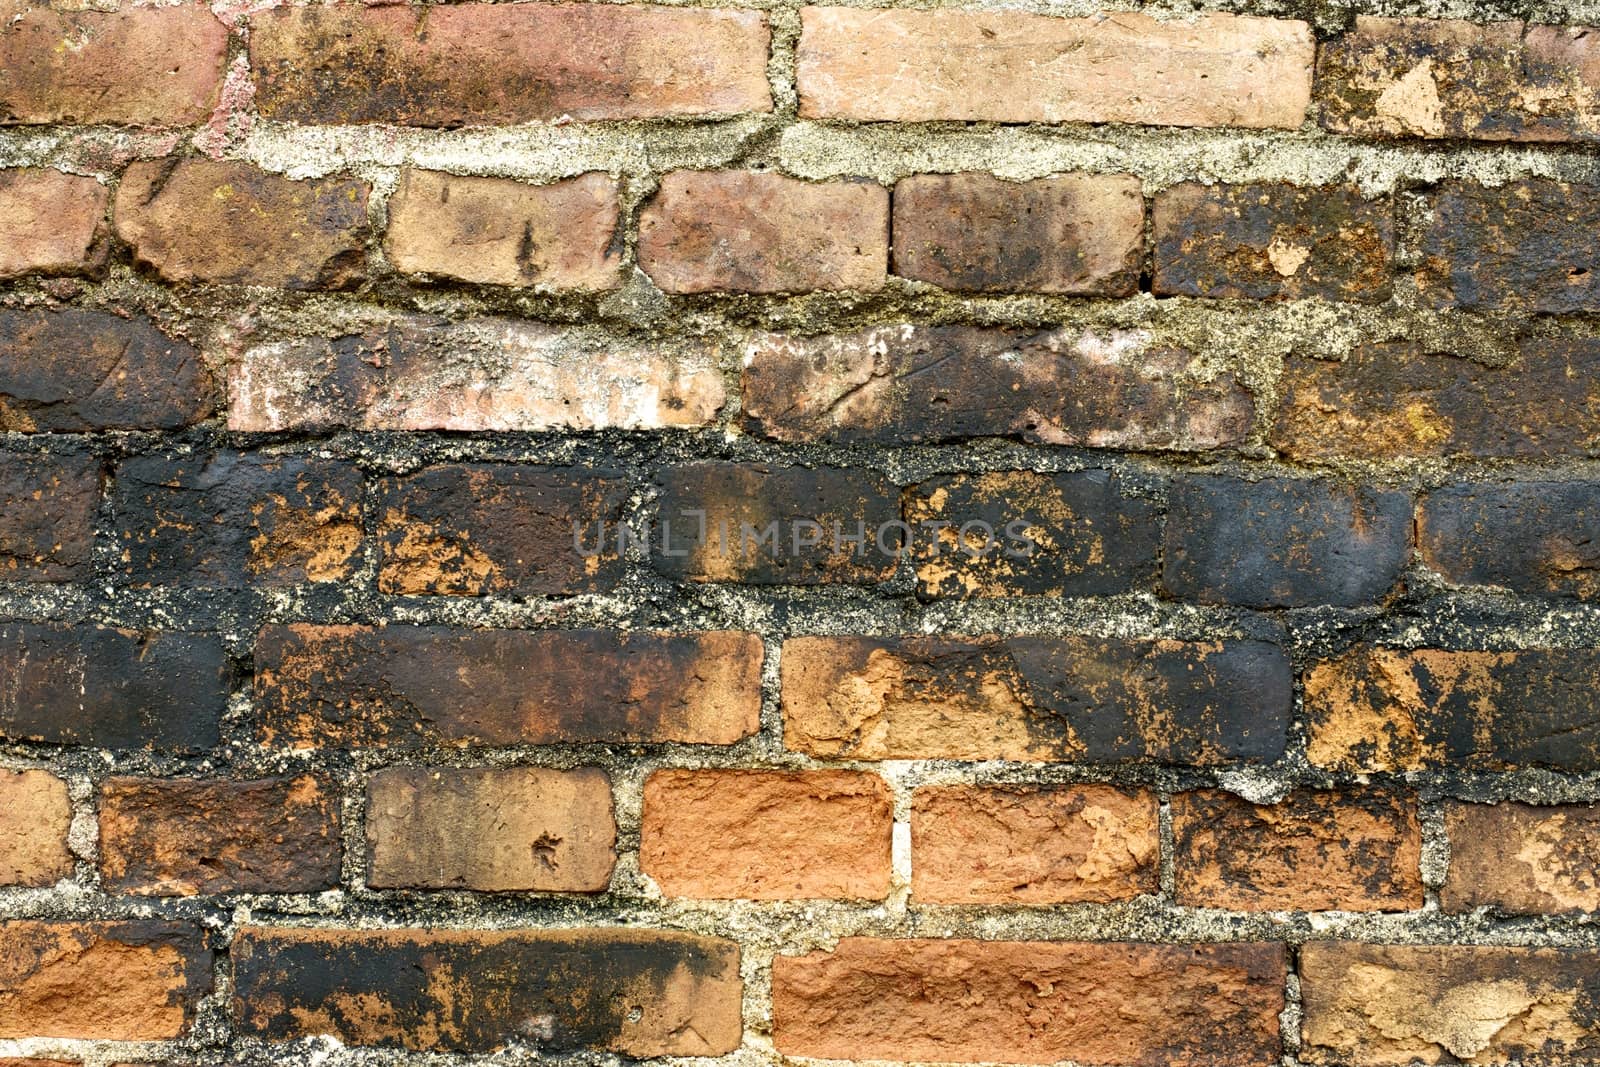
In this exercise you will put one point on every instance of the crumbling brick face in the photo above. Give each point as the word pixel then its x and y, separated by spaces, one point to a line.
pixel 765 532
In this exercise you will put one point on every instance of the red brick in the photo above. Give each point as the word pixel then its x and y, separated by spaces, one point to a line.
pixel 483 64
pixel 197 220
pixel 50 222
pixel 767 835
pixel 72 371
pixel 183 836
pixel 1031 1002
pixel 35 815
pixel 1076 699
pixel 1032 844
pixel 1399 1004
pixel 491 828
pixel 405 686
pixel 758 232
pixel 500 232
pixel 422 373
pixel 1110 389
pixel 480 529
pixel 1444 78
pixel 47 512
pixel 638 993
pixel 137 980
pixel 1354 850
pixel 1522 859
pixel 1080 234
pixel 1272 241
pixel 1004 66
pixel 140 66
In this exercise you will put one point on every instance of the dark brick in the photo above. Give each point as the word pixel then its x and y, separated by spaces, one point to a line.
pixel 634 992
pixel 1530 537
pixel 950 999
pixel 1077 534
pixel 47 508
pixel 900 384
pixel 1523 246
pixel 1284 542
pixel 238 520
pixel 1383 1004
pixel 1272 241
pixel 1078 233
pixel 233 224
pixel 1353 850
pixel 67 371
pixel 91 685
pixel 182 836
pixel 1444 78
pixel 1390 709
pixel 481 529
pixel 1076 699
pixel 750 500
pixel 1393 400
pixel 405 686
pixel 136 980
pixel 487 64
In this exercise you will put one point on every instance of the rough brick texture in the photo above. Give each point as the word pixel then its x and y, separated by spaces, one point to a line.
pixel 1029 1002
pixel 767 835
pixel 916 532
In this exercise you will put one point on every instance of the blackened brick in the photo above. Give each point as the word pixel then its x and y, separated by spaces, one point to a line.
pixel 47 508
pixel 1531 537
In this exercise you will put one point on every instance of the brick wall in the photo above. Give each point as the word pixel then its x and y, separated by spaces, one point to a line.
pixel 343 347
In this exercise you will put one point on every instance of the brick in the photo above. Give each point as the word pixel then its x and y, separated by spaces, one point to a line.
pixel 908 384
pixel 238 519
pixel 110 688
pixel 406 686
pixel 1074 699
pixel 140 66
pixel 491 64
pixel 498 232
pixel 1518 247
pixel 136 980
pixel 196 220
pixel 1390 709
pixel 422 373
pixel 47 512
pixel 767 835
pixel 480 529
pixel 1272 241
pixel 1027 534
pixel 184 836
pixel 1284 542
pixel 70 371
pixel 1354 850
pixel 744 503
pixel 489 828
pixel 1393 400
pixel 35 815
pixel 1444 78
pixel 758 232
pixel 1081 234
pixel 1530 537
pixel 1031 1002
pixel 1032 844
pixel 1004 66
pixel 629 991
pixel 1396 1004
pixel 50 222
pixel 1522 859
